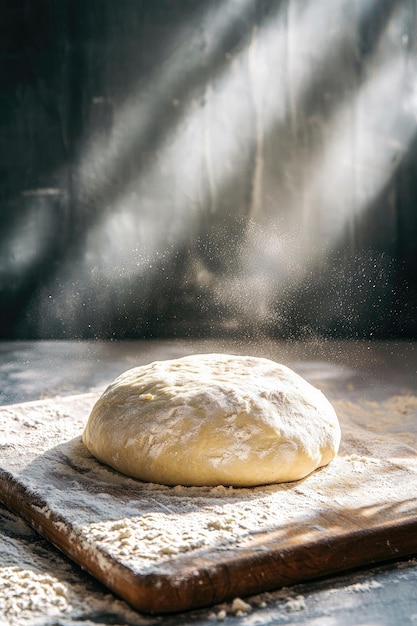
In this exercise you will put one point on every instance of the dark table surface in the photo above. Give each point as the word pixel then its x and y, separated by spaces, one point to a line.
pixel 365 372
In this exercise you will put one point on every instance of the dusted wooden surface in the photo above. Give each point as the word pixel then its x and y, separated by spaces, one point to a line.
pixel 361 531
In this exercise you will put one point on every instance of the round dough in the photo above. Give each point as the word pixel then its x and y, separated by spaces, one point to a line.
pixel 213 419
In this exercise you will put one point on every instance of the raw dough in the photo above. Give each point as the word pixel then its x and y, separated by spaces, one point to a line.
pixel 213 419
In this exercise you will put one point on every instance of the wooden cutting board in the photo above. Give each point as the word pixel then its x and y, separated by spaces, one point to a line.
pixel 168 549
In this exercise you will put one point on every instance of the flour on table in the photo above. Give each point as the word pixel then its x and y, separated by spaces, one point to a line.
pixel 38 587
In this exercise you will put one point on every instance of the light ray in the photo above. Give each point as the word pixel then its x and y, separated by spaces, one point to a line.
pixel 222 143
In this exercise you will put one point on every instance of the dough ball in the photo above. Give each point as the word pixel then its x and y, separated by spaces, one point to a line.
pixel 213 419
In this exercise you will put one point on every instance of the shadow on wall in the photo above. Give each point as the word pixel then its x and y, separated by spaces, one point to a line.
pixel 251 176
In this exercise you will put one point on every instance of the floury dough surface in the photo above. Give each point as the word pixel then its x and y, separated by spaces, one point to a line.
pixel 213 419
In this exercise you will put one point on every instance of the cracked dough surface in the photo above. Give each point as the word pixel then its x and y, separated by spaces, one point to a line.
pixel 213 419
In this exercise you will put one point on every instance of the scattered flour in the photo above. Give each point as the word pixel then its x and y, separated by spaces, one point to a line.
pixel 24 590
pixel 40 588
pixel 239 606
pixel 395 416
pixel 295 604
pixel 363 586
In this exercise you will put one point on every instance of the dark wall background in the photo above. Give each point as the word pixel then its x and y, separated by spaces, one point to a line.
pixel 208 167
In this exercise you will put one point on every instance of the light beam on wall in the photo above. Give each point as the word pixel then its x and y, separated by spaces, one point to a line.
pixel 234 149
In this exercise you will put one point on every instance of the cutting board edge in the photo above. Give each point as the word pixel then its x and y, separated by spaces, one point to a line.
pixel 204 581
